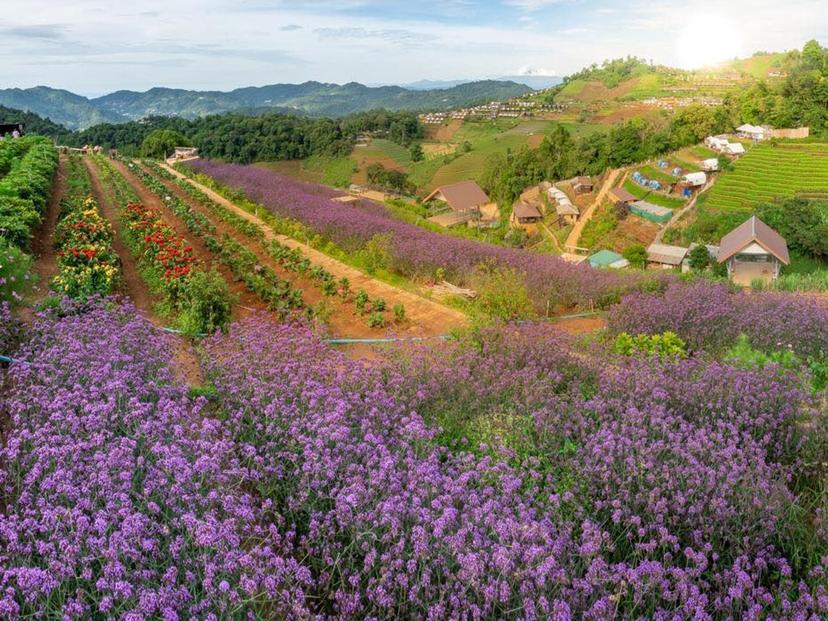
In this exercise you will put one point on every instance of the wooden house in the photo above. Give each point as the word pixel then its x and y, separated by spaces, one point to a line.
pixel 525 216
pixel 582 185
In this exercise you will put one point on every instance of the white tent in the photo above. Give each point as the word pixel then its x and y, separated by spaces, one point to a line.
pixel 734 148
pixel 695 179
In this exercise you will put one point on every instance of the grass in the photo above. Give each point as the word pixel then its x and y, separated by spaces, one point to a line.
pixel 334 171
pixel 659 174
pixel 767 172
pixel 652 197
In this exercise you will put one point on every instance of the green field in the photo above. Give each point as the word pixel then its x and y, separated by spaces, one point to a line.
pixel 381 148
pixel 767 172
pixel 653 197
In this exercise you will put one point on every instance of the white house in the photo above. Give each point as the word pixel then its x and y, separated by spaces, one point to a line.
pixel 717 143
pixel 753 251
pixel 754 132
pixel 710 165
pixel 695 179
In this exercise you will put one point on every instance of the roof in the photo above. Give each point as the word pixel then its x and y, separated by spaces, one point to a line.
pixel 622 194
pixel 566 209
pixel 735 147
pixel 657 210
pixel 461 196
pixel 525 210
pixel 750 231
pixel 451 218
pixel 604 258
pixel 582 180
pixel 696 178
pixel 750 129
pixel 663 253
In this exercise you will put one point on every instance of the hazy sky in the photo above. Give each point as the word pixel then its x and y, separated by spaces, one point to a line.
pixel 97 46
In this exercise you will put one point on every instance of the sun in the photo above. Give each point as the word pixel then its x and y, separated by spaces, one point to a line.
pixel 708 39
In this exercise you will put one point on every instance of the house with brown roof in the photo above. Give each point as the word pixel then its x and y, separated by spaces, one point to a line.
pixel 621 196
pixel 461 197
pixel 582 185
pixel 525 216
pixel 753 251
pixel 664 256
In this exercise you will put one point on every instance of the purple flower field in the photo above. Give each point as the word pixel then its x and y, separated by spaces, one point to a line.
pixel 511 474
pixel 416 252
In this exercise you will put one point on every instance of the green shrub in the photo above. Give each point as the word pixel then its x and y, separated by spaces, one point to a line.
pixel 376 255
pixel 376 320
pixel 502 294
pixel 378 305
pixel 361 300
pixel 14 272
pixel 399 313
pixel 665 345
pixel 206 303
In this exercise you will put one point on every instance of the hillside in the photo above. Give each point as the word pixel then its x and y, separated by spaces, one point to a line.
pixel 313 98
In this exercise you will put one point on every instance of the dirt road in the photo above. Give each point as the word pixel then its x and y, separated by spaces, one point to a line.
pixel 43 242
pixel 427 316
pixel 575 234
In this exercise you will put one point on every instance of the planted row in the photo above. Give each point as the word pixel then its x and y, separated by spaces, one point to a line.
pixel 25 187
pixel 279 294
pixel 199 299
pixel 87 263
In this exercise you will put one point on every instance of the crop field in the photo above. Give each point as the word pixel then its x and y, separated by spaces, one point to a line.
pixel 767 172
pixel 656 198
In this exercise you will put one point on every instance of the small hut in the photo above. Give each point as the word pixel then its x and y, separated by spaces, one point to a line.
pixel 753 251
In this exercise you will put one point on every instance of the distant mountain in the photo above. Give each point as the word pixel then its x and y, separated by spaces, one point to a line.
pixel 536 82
pixel 312 98
pixel 64 107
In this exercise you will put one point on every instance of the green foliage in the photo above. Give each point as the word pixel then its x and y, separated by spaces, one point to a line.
pixel 803 223
pixel 417 154
pixel 378 305
pixel 161 142
pixel 206 303
pixel 744 355
pixel 665 345
pixel 502 293
pixel 14 272
pixel 361 300
pixel 699 258
pixel 376 255
pixel 394 180
pixel 376 320
pixel 399 313
pixel 636 255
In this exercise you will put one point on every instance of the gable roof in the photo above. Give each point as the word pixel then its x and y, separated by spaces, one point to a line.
pixel 461 196
pixel 663 253
pixel 566 208
pixel 582 180
pixel 525 210
pixel 750 231
pixel 622 195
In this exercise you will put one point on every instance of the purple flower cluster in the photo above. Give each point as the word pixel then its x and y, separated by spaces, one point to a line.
pixel 416 252
pixel 120 497
pixel 708 316
pixel 10 330
pixel 659 490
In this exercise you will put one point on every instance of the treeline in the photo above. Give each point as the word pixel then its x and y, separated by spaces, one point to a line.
pixel 34 124
pixel 802 99
pixel 561 156
pixel 242 139
pixel 612 72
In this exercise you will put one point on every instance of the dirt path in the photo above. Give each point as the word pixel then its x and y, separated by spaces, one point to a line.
pixel 574 236
pixel 187 368
pixel 428 317
pixel 43 243
pixel 344 320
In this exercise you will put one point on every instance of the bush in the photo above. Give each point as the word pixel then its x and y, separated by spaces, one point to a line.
pixel 14 272
pixel 399 313
pixel 378 305
pixel 206 303
pixel 636 255
pixel 376 320
pixel 361 300
pixel 502 294
pixel 665 345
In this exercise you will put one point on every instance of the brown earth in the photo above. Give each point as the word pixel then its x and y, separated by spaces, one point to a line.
pixel 425 317
pixel 360 177
pixel 344 319
pixel 187 368
pixel 444 133
pixel 43 245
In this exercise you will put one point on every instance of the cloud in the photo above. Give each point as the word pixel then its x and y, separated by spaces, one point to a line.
pixel 385 34
pixel 532 5
pixel 35 31
pixel 290 28
pixel 538 71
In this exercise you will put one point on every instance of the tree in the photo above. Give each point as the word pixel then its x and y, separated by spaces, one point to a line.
pixel 417 153
pixel 161 142
pixel 699 258
pixel 636 255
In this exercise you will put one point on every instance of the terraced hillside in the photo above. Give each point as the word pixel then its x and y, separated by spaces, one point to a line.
pixel 767 172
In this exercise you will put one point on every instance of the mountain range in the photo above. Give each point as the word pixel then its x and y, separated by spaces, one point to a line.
pixel 537 82
pixel 312 98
